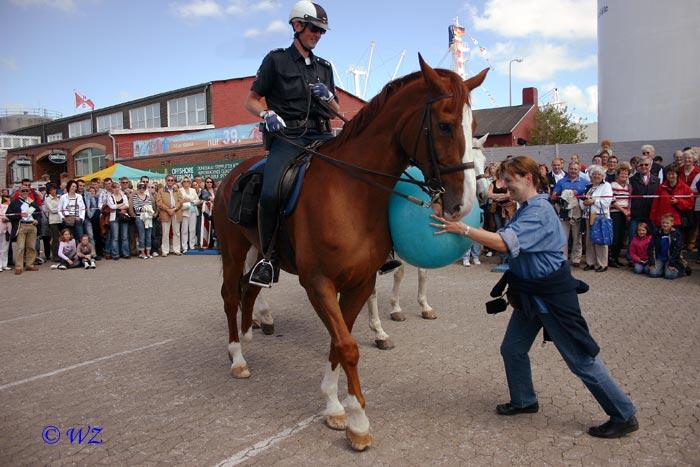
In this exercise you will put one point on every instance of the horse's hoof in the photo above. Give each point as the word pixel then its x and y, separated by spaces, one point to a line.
pixel 256 324
pixel 430 314
pixel 385 344
pixel 268 329
pixel 337 422
pixel 398 316
pixel 359 442
pixel 240 372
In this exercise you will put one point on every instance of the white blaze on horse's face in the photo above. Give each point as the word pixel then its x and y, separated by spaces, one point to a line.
pixel 469 192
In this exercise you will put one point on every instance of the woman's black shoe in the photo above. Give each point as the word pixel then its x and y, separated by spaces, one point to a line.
pixel 588 267
pixel 510 409
pixel 599 269
pixel 612 429
pixel 613 263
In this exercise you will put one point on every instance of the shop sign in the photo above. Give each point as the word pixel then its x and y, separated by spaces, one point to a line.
pixel 23 162
pixel 58 157
pixel 238 135
pixel 216 170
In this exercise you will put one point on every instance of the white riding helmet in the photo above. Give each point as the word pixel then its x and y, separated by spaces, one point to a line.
pixel 309 12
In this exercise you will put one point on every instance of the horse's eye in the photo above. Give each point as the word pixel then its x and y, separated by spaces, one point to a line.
pixel 445 128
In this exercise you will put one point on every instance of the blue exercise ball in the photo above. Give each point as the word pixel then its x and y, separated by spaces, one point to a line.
pixel 414 238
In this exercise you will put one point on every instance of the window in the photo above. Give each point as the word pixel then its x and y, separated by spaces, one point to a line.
pixel 81 128
pixel 113 121
pixel 21 170
pixel 187 111
pixel 54 137
pixel 145 117
pixel 88 161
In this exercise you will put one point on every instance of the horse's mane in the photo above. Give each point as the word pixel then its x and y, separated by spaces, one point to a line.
pixel 367 113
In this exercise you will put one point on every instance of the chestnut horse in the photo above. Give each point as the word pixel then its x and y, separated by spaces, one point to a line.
pixel 339 228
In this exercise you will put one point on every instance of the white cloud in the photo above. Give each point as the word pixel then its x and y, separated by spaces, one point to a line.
pixel 9 62
pixel 563 19
pixel 65 5
pixel 198 9
pixel 124 95
pixel 275 27
pixel 541 60
pixel 578 100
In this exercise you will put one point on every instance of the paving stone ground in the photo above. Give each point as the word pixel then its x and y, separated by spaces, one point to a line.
pixel 145 360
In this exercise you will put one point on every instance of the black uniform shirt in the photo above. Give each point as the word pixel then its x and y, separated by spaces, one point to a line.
pixel 284 79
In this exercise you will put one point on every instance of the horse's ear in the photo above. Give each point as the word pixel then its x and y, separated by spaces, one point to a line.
pixel 431 77
pixel 476 80
pixel 482 140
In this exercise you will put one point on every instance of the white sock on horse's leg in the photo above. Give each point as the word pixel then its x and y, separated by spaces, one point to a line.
pixel 375 323
pixel 239 367
pixel 398 278
pixel 358 422
pixel 423 290
pixel 329 388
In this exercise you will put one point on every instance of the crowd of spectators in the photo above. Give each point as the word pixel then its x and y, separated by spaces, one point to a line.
pixel 79 222
pixel 654 209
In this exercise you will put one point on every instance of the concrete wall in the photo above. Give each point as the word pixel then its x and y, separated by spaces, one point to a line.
pixel 624 150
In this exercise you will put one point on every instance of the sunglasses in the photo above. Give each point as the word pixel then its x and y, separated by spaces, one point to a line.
pixel 644 165
pixel 313 28
pixel 24 191
pixel 169 179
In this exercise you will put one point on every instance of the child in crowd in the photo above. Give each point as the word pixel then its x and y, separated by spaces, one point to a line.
pixel 86 252
pixel 638 249
pixel 665 250
pixel 67 251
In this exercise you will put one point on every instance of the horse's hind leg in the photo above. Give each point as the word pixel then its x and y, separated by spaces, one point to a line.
pixel 232 257
pixel 427 311
pixel 396 313
pixel 381 338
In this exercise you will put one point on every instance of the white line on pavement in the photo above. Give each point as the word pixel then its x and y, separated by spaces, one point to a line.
pixel 28 316
pixel 266 444
pixel 78 365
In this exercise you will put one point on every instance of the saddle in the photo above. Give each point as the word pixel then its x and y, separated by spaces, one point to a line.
pixel 245 194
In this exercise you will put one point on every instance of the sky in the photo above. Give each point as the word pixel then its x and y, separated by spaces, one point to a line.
pixel 114 51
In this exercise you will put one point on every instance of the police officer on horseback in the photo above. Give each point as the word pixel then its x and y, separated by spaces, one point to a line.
pixel 291 81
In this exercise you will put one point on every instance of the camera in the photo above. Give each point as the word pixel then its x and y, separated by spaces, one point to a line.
pixel 496 306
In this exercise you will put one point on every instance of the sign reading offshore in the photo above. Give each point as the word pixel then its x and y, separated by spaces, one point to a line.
pixel 216 137
pixel 216 170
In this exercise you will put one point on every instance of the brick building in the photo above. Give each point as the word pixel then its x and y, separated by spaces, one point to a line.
pixel 205 124
pixel 508 126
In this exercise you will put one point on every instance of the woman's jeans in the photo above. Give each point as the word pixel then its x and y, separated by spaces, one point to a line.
pixel 520 335
pixel 144 235
pixel 641 268
pixel 120 236
pixel 77 230
pixel 662 268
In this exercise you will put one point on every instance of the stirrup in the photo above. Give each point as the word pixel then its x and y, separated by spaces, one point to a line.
pixel 389 266
pixel 262 274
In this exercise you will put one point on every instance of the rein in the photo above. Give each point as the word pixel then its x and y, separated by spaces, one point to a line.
pixel 432 186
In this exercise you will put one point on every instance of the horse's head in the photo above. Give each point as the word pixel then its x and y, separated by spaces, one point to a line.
pixel 440 151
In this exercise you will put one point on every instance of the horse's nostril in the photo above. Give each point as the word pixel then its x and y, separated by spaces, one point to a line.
pixel 456 208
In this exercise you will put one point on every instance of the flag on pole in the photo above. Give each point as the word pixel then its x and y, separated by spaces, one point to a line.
pixel 81 100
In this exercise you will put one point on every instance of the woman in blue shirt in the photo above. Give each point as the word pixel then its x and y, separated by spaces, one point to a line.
pixel 544 295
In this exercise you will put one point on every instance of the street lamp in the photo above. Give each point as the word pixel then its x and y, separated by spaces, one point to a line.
pixel 510 89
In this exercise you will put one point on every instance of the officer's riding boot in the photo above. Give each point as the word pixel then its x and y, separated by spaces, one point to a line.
pixel 263 272
pixel 391 264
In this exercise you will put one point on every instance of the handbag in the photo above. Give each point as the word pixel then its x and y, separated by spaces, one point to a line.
pixel 69 220
pixel 124 218
pixel 602 230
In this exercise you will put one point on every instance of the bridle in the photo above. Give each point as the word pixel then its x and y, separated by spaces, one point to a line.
pixel 433 180
pixel 432 185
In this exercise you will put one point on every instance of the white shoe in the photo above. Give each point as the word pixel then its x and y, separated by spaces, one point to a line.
pixel 61 266
pixel 476 261
pixel 87 265
pixel 465 262
pixel 54 266
pixel 154 254
pixel 489 253
pixel 6 269
pixel 92 264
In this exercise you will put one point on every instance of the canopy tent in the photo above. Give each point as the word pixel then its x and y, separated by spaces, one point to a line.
pixel 117 171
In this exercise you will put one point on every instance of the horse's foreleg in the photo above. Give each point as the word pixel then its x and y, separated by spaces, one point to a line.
pixel 381 338
pixel 231 296
pixel 427 311
pixel 396 313
pixel 335 412
pixel 344 351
